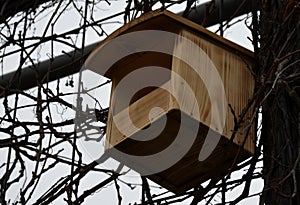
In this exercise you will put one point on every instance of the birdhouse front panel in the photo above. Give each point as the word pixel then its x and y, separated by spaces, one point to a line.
pixel 173 114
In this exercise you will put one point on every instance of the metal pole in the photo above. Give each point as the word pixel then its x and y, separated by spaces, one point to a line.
pixel 231 9
pixel 60 67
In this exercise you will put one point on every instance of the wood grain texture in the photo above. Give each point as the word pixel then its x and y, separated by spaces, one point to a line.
pixel 234 74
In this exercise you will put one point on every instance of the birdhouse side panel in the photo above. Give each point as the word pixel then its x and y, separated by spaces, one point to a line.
pixel 194 79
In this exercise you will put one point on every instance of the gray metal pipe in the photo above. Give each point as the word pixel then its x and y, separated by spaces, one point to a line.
pixel 231 9
pixel 71 63
pixel 48 71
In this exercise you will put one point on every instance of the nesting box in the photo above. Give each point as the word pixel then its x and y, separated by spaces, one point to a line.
pixel 175 90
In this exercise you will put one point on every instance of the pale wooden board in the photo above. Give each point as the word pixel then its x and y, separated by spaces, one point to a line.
pixel 139 115
pixel 236 78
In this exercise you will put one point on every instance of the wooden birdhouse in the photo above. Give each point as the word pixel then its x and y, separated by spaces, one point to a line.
pixel 176 91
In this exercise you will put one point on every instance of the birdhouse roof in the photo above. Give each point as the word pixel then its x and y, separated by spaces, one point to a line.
pixel 101 58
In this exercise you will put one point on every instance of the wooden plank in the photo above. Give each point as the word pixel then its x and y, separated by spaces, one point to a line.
pixel 236 78
pixel 138 115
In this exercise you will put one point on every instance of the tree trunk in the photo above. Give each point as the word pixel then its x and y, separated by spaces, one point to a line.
pixel 279 74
